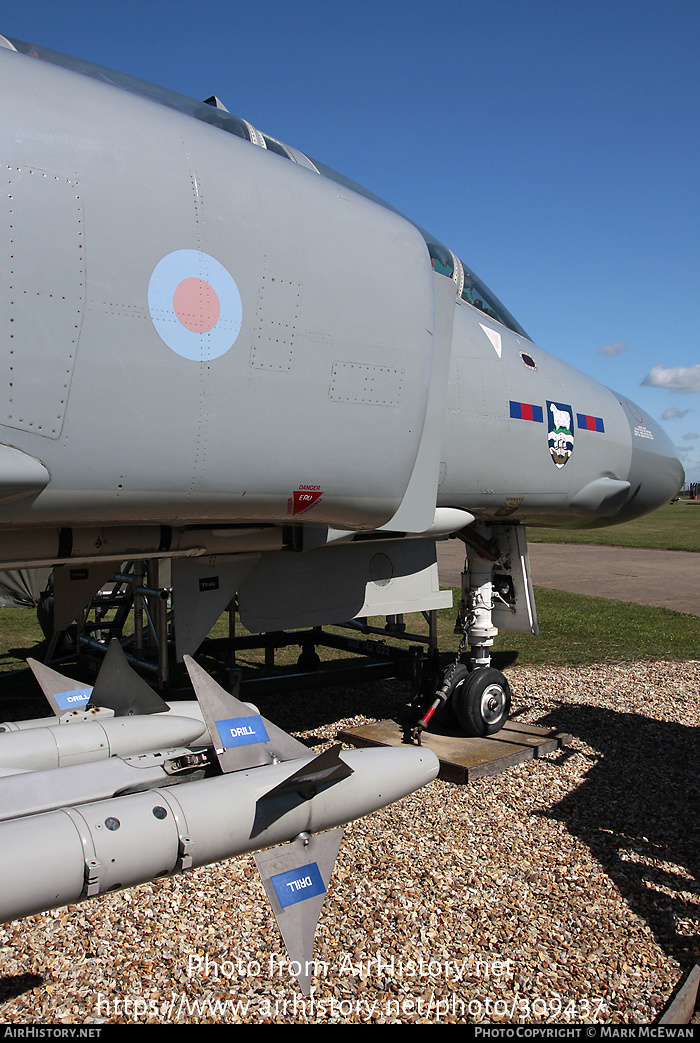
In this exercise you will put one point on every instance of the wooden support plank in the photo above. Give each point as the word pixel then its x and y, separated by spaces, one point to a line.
pixel 681 1007
pixel 464 759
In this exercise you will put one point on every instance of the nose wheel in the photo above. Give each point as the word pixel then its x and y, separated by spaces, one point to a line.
pixel 481 701
pixel 477 701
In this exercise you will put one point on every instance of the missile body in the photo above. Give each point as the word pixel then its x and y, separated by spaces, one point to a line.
pixel 73 717
pixel 25 792
pixel 79 852
pixel 186 708
pixel 61 744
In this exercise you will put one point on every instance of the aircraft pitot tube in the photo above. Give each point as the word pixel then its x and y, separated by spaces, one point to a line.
pixel 102 825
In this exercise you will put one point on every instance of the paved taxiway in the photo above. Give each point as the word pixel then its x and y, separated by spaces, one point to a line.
pixel 666 578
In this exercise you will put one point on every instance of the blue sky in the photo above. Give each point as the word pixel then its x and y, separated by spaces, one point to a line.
pixel 553 145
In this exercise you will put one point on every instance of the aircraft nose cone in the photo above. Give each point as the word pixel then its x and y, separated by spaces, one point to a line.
pixel 656 474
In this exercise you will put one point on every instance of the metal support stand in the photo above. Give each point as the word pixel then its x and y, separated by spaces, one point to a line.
pixel 107 616
pixel 378 652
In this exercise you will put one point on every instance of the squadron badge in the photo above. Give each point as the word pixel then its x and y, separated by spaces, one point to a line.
pixel 560 434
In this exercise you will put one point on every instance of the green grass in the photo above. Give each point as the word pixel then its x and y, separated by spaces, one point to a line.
pixel 675 526
pixel 20 637
pixel 576 629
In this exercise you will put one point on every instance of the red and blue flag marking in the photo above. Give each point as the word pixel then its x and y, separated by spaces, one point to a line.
pixel 590 423
pixel 526 411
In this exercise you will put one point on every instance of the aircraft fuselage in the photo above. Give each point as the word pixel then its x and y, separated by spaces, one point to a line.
pixel 204 334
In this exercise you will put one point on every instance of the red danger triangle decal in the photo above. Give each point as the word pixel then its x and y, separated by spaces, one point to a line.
pixel 302 500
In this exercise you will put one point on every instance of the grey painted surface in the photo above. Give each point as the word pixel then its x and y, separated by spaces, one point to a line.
pixel 320 381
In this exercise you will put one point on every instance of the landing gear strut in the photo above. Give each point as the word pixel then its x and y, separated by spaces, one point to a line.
pixel 476 696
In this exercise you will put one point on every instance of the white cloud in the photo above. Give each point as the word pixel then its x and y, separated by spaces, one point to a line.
pixel 612 349
pixel 690 458
pixel 691 435
pixel 674 414
pixel 674 378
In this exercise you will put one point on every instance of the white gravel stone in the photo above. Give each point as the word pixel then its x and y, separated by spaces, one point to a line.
pixel 564 890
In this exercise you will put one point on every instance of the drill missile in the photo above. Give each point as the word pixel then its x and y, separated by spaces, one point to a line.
pixel 24 792
pixel 58 745
pixel 82 825
pixel 78 852
pixel 118 692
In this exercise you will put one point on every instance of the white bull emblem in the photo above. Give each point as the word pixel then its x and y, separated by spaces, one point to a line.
pixel 560 436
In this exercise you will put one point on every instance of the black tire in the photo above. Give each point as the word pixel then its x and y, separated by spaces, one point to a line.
pixel 445 716
pixel 481 701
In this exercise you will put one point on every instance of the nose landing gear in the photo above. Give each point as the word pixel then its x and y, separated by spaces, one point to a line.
pixel 495 581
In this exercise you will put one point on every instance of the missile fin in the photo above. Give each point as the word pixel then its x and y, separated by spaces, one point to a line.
pixel 121 689
pixel 296 877
pixel 62 693
pixel 327 767
pixel 242 738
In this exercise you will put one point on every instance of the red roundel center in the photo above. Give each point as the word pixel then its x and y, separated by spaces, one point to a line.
pixel 196 305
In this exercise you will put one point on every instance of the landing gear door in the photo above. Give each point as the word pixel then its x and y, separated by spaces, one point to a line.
pixel 513 596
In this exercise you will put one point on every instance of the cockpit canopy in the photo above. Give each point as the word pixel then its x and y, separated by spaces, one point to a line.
pixel 470 289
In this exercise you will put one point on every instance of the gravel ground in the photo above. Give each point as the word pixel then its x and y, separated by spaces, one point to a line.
pixel 566 889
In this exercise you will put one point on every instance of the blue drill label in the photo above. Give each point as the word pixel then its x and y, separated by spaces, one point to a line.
pixel 73 700
pixel 242 731
pixel 296 885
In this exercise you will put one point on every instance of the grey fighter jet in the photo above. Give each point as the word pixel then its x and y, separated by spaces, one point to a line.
pixel 220 353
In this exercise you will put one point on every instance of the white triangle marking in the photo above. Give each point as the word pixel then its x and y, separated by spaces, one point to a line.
pixel 494 336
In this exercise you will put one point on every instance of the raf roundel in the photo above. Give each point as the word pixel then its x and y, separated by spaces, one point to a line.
pixel 195 305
